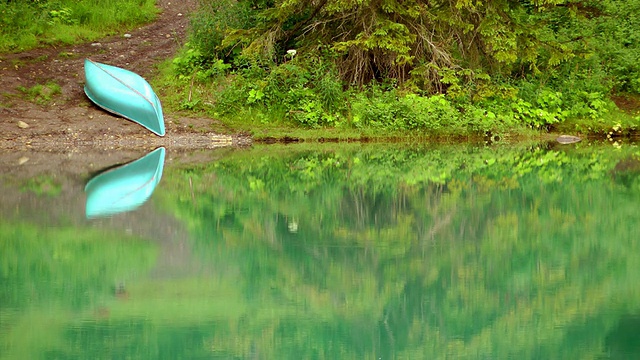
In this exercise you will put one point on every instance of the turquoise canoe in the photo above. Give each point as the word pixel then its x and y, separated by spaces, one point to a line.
pixel 126 187
pixel 123 93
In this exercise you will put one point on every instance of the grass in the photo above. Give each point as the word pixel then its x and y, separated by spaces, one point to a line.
pixel 41 94
pixel 27 24
pixel 616 122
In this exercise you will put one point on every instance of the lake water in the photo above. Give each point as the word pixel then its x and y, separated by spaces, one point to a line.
pixel 354 251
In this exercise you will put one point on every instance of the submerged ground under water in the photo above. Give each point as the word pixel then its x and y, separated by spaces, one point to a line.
pixel 328 252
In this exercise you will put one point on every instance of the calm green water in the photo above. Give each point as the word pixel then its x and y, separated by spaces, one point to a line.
pixel 336 252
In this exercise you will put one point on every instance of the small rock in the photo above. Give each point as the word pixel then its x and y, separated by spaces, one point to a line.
pixel 23 160
pixel 168 36
pixel 22 125
pixel 127 35
pixel 96 44
pixel 179 14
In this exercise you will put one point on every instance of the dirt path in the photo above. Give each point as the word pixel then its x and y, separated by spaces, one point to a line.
pixel 71 123
pixel 69 140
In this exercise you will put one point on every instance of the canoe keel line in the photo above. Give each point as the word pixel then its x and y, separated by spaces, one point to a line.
pixel 125 94
pixel 126 187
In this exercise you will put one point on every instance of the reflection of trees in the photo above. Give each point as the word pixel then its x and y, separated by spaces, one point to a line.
pixel 627 172
pixel 623 341
pixel 48 274
pixel 427 252
pixel 46 265
pixel 435 253
pixel 357 203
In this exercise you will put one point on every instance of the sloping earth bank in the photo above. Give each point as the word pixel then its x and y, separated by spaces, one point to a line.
pixel 70 120
pixel 69 131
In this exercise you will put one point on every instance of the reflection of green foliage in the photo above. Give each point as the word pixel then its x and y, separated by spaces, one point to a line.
pixel 43 185
pixel 369 252
pixel 78 264
pixel 47 274
pixel 129 339
pixel 433 252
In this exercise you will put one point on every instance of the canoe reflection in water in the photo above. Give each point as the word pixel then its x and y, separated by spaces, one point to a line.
pixel 126 187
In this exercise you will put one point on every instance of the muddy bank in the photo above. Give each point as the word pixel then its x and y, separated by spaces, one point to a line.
pixel 70 122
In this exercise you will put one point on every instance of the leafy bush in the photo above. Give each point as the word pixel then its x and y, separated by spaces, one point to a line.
pixel 212 24
pixel 311 113
pixel 390 110
pixel 432 112
pixel 377 109
pixel 617 42
pixel 231 96
pixel 309 96
pixel 192 64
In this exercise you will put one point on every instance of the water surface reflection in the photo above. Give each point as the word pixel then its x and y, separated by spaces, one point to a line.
pixel 125 187
pixel 348 251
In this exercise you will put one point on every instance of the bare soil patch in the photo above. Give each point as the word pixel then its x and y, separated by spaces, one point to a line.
pixel 628 103
pixel 70 122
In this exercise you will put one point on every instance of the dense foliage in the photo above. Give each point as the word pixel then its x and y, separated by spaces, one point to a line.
pixel 494 64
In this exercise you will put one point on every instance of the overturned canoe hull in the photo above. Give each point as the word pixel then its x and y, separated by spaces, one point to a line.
pixel 123 93
pixel 124 188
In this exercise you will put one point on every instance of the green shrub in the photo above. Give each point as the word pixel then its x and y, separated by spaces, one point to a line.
pixel 431 112
pixel 231 96
pixel 376 109
pixel 211 23
pixel 308 96
pixel 617 42
pixel 311 113
pixel 191 64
